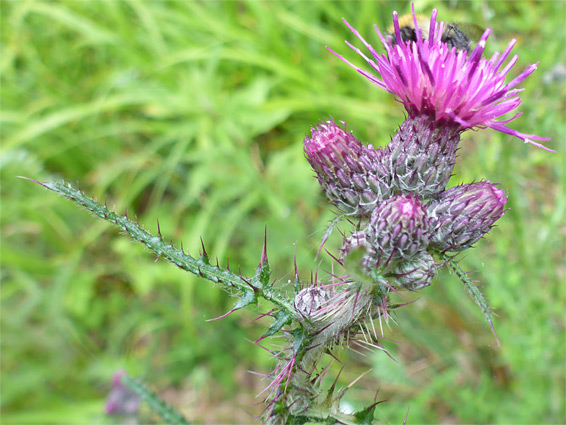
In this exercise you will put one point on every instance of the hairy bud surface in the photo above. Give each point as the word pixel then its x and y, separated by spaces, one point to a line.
pixel 463 214
pixel 351 174
pixel 414 273
pixel 310 300
pixel 421 156
pixel 398 229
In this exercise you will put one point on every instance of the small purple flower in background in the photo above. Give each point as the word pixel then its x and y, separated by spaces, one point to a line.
pixel 449 86
pixel 121 401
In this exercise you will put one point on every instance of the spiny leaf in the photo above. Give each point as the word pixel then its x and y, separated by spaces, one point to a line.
pixel 366 416
pixel 245 300
pixel 475 293
pixel 166 412
pixel 281 319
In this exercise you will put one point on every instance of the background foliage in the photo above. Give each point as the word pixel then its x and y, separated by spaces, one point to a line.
pixel 194 113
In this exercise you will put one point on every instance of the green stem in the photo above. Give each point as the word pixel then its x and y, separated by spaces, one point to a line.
pixel 198 266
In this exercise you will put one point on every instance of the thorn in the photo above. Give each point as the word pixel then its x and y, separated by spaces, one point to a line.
pixel 261 346
pixel 157 258
pixel 334 258
pixel 126 213
pixel 375 404
pixel 316 273
pixel 261 316
pixel 358 378
pixel 248 283
pixel 312 347
pixel 333 386
pixel 391 288
pixel 264 249
pixel 182 247
pixel 44 184
pixel 203 248
pixel 228 264
pixel 355 304
pixel 295 262
pixel 261 338
pixel 217 265
pixel 407 415
pixel 333 356
pixel 223 316
pixel 159 230
pixel 494 334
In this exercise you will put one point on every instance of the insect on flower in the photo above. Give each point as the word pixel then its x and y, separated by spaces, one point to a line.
pixel 461 35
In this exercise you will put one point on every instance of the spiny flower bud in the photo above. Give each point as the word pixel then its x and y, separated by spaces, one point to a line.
pixel 398 229
pixel 414 273
pixel 311 299
pixel 462 215
pixel 421 156
pixel 350 173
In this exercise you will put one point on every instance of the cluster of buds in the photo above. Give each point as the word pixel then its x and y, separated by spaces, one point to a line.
pixel 399 193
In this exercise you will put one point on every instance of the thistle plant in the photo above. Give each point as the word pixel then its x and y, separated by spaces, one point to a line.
pixel 408 224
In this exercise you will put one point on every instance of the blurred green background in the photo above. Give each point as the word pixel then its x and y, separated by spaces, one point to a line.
pixel 194 113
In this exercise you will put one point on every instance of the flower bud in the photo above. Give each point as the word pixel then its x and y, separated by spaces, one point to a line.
pixel 462 215
pixel 398 229
pixel 350 173
pixel 421 156
pixel 311 299
pixel 414 273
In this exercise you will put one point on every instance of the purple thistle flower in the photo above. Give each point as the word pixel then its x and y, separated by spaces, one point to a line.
pixel 121 400
pixel 430 78
pixel 351 174
pixel 463 214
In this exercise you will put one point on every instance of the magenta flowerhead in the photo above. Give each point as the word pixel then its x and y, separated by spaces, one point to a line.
pixel 398 229
pixel 463 214
pixel 448 85
pixel 351 174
